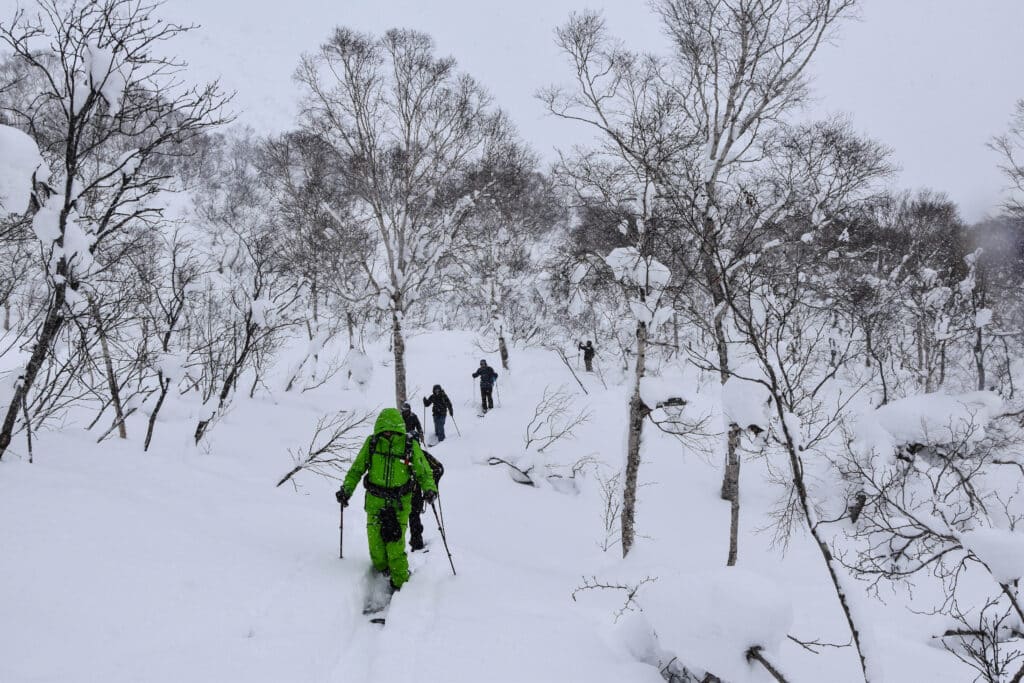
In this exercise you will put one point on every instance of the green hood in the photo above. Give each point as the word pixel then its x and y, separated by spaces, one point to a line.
pixel 389 420
pixel 389 472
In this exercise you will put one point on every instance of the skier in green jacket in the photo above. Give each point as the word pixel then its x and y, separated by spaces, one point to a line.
pixel 393 464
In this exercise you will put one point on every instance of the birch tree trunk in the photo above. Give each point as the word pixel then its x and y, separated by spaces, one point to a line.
pixel 108 366
pixel 51 326
pixel 731 476
pixel 502 349
pixel 398 348
pixel 637 412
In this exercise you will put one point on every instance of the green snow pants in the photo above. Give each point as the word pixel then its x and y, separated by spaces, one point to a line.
pixel 390 556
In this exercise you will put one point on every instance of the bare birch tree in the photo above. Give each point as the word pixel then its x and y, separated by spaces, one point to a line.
pixel 1010 147
pixel 621 95
pixel 739 67
pixel 406 122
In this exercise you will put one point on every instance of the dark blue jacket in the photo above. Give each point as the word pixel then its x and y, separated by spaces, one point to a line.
pixel 487 376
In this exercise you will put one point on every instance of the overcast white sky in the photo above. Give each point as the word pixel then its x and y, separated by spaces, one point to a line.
pixel 933 79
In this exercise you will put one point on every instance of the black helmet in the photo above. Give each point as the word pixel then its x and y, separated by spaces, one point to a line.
pixel 483 362
pixel 437 388
pixel 406 407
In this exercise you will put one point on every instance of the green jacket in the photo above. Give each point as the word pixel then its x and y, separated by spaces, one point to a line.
pixel 377 464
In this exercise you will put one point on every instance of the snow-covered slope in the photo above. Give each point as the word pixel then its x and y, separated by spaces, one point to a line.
pixel 187 564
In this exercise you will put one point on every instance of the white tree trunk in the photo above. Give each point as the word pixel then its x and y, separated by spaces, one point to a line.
pixel 398 348
pixel 637 413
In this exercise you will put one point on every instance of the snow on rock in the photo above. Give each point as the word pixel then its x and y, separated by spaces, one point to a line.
pixel 936 418
pixel 745 403
pixel 19 159
pixel 711 619
pixel 1001 550
pixel 655 390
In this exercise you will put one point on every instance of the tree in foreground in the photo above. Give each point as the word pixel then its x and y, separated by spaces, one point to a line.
pixel 107 112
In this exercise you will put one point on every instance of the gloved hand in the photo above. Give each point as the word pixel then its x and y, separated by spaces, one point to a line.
pixel 430 496
pixel 341 497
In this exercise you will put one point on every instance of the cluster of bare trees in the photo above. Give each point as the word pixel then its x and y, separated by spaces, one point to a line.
pixel 765 252
pixel 110 118
pixel 164 257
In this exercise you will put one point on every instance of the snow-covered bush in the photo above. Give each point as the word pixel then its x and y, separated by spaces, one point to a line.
pixel 108 117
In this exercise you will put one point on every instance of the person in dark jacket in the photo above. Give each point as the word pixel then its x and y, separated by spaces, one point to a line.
pixel 588 354
pixel 413 427
pixel 441 407
pixel 487 377
pixel 415 524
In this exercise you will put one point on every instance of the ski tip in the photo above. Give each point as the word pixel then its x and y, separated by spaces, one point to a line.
pixel 377 620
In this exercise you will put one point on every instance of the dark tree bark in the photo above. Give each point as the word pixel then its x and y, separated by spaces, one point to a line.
pixel 108 366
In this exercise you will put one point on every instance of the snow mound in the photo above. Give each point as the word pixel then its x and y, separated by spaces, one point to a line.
pixel 664 388
pixel 745 403
pixel 1001 550
pixel 711 619
pixel 928 419
pixel 360 365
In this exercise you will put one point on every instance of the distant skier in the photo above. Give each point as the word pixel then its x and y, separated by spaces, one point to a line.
pixel 415 525
pixel 441 408
pixel 487 377
pixel 588 354
pixel 393 464
pixel 413 427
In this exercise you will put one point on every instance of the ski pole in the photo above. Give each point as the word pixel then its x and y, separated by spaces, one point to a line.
pixel 341 533
pixel 457 430
pixel 444 539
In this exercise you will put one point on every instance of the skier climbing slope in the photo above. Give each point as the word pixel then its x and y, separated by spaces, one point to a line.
pixel 393 463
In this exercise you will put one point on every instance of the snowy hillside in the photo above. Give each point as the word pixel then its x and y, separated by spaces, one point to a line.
pixel 759 414
pixel 187 563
